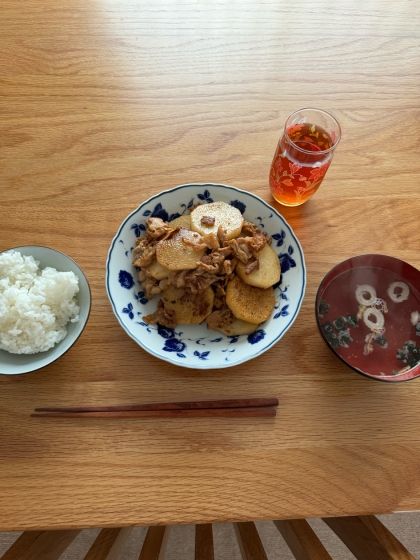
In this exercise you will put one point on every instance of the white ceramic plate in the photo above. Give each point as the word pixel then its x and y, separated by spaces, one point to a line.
pixel 13 364
pixel 195 346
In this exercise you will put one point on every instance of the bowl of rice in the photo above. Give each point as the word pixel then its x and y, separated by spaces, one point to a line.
pixel 45 302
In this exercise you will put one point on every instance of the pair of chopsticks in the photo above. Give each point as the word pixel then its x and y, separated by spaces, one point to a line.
pixel 225 408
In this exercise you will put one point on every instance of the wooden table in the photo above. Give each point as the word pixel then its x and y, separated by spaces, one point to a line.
pixel 106 103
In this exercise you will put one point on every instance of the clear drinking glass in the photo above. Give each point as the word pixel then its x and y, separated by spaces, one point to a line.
pixel 303 155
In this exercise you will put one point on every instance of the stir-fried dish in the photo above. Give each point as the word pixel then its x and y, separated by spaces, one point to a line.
pixel 210 265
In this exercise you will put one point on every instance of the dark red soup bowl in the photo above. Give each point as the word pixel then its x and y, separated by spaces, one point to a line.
pixel 368 312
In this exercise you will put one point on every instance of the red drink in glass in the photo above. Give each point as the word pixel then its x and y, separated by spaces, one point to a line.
pixel 303 155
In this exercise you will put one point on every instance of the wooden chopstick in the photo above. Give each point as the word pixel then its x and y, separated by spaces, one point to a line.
pixel 186 405
pixel 247 412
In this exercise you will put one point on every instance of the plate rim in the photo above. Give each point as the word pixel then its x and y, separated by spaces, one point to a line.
pixel 207 366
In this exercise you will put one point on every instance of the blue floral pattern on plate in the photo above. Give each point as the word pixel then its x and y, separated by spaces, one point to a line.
pixel 125 279
pixel 193 345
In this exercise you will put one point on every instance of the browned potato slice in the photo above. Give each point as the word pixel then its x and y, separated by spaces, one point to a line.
pixel 158 271
pixel 182 221
pixel 192 309
pixel 237 328
pixel 224 214
pixel 268 272
pixel 174 254
pixel 248 303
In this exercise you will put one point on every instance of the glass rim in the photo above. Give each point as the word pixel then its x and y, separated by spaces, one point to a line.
pixel 309 151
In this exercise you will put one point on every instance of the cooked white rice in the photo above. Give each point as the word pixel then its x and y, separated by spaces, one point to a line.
pixel 35 305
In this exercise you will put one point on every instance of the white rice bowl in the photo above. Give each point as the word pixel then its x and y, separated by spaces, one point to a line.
pixel 35 305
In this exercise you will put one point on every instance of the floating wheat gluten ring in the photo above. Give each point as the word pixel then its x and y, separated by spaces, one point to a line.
pixel 380 319
pixel 365 288
pixel 402 296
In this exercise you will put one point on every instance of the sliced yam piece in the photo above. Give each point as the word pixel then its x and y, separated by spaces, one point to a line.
pixel 174 254
pixel 182 222
pixel 156 270
pixel 189 309
pixel 248 303
pixel 224 214
pixel 237 328
pixel 268 272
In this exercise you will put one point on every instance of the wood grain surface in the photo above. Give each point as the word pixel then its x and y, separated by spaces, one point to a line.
pixel 105 103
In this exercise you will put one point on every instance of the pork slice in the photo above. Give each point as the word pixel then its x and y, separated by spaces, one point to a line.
pixel 219 296
pixel 164 317
pixel 248 228
pixel 208 221
pixel 220 318
pixel 150 285
pixel 252 265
